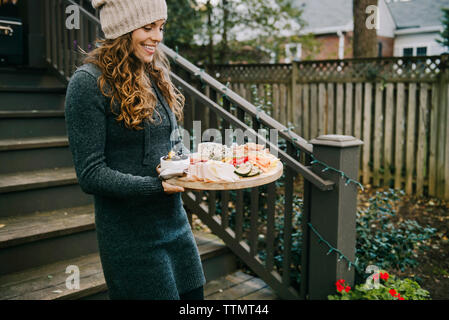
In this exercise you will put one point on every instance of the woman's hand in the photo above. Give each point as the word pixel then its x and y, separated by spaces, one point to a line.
pixel 169 188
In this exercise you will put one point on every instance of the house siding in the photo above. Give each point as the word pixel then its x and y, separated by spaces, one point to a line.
pixel 418 40
pixel 329 47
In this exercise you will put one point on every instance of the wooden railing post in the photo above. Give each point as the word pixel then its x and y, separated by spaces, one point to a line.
pixel 332 214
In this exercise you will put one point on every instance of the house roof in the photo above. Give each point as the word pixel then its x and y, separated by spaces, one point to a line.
pixel 417 13
pixel 322 15
pixel 329 16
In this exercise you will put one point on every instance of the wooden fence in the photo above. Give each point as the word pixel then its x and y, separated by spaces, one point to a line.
pixel 397 106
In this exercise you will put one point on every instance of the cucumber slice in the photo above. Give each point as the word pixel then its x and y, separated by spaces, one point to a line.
pixel 244 169
pixel 254 172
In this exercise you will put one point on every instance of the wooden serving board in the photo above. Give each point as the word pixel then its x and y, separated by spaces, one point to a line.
pixel 259 180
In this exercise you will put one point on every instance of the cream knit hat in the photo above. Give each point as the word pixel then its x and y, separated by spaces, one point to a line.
pixel 119 17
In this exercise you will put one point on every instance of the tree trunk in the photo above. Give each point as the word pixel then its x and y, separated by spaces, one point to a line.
pixel 224 43
pixel 211 33
pixel 365 37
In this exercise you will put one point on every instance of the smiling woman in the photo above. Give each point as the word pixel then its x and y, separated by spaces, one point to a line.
pixel 121 109
pixel 146 39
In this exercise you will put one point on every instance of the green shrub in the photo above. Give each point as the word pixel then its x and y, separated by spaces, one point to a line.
pixel 385 243
pixel 387 288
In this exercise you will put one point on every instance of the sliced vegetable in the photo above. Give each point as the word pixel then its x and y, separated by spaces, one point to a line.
pixel 244 169
pixel 254 172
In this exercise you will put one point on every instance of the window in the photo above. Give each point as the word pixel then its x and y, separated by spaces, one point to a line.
pixel 421 51
pixel 379 49
pixel 407 52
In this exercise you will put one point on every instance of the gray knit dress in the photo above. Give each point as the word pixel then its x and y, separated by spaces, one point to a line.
pixel 146 246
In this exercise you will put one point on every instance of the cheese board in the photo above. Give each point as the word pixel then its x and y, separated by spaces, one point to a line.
pixel 242 183
pixel 218 167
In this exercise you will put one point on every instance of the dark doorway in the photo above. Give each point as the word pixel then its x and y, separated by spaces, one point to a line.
pixel 13 46
pixel 9 8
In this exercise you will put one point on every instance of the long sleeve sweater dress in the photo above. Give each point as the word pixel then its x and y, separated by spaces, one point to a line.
pixel 146 246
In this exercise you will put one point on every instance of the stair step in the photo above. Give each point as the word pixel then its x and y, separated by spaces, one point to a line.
pixel 28 77
pixel 32 123
pixel 48 282
pixel 46 152
pixel 238 286
pixel 40 238
pixel 33 143
pixel 23 70
pixel 11 114
pixel 40 190
pixel 37 179
pixel 22 229
pixel 33 89
pixel 26 98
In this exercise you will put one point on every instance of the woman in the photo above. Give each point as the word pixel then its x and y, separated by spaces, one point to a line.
pixel 121 110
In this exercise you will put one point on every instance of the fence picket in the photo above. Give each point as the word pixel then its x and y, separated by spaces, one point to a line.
pixel 283 104
pixel 321 108
pixel 293 96
pixel 366 148
pixel 410 142
pixel 297 112
pixel 441 139
pixel 348 110
pixel 358 111
pixel 276 103
pixel 330 109
pixel 306 119
pixel 313 111
pixel 433 131
pixel 399 136
pixel 377 134
pixel 339 110
pixel 388 133
pixel 422 141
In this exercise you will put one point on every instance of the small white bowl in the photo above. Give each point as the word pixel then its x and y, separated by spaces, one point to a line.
pixel 175 165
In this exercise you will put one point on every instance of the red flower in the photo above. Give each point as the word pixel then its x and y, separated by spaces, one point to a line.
pixel 339 286
pixel 393 292
pixel 400 298
pixel 384 276
pixel 375 276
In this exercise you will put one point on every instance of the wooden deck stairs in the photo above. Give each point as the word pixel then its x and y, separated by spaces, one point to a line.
pixel 47 222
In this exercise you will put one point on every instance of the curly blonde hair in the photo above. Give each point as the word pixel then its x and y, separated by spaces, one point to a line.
pixel 125 79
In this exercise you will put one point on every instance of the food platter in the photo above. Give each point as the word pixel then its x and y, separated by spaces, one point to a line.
pixel 219 167
pixel 244 182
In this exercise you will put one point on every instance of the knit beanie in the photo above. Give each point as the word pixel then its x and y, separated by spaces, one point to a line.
pixel 119 17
